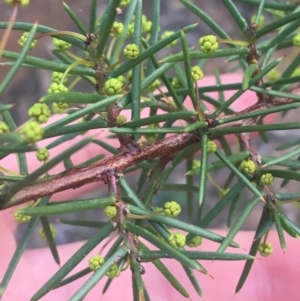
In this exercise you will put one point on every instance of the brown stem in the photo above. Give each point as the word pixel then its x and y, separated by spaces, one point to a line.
pixel 99 171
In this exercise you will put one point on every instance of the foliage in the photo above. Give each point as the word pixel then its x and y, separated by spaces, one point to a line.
pixel 125 77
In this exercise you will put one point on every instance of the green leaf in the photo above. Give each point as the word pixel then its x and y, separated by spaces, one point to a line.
pixel 21 58
pixel 172 116
pixel 83 223
pixel 278 226
pixel 95 278
pixel 49 238
pixel 215 133
pixel 221 204
pixel 277 24
pixel 4 107
pixel 135 93
pixel 241 22
pixel 283 157
pixel 252 82
pixel 165 272
pixel 47 166
pixel 285 174
pixel 74 277
pixel 202 176
pixel 197 255
pixel 137 278
pixel 93 16
pixel 24 26
pixel 68 207
pixel 187 69
pixel 49 65
pixel 239 174
pixel 81 113
pixel 22 160
pixel 193 279
pixel 74 18
pixel 162 246
pixel 286 30
pixel 288 144
pixel 150 51
pixel 238 224
pixel 73 261
pixel 181 225
pixel 203 16
pixel 73 97
pixel 251 69
pixel 289 227
pixel 78 128
pixel 103 29
pixel 272 5
pixel 236 158
pixel 194 55
pixel 164 78
pixel 259 11
pixel 265 217
pixel 20 249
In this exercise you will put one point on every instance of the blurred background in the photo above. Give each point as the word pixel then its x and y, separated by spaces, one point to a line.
pixel 30 84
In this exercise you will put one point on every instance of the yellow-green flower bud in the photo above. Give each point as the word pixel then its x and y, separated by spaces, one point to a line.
pixel 60 44
pixel 121 120
pixel 195 242
pixel 166 34
pixel 151 137
pixel 130 29
pixel 124 3
pixel 267 179
pixel 197 73
pixel 110 211
pixel 265 249
pixel 196 164
pixel 40 112
pixel 42 233
pixel 22 40
pixel 60 108
pixel 20 2
pixel 296 40
pixel 95 262
pixel 3 127
pixel 208 44
pixel 42 154
pixel 146 26
pixel 176 240
pixel 211 147
pixel 261 21
pixel 117 29
pixel 154 85
pixel 247 166
pixel 63 106
pixel 112 87
pixel 121 79
pixel 113 272
pixel 32 132
pixel 273 75
pixel 55 88
pixel 172 208
pixel 176 83
pixel 21 218
pixel 131 51
pixel 56 77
